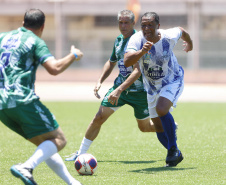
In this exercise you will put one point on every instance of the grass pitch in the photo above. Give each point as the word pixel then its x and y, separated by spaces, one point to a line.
pixel 125 155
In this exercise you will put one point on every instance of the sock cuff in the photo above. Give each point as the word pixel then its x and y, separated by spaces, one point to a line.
pixel 87 141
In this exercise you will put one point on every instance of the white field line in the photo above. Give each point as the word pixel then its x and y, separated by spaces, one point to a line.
pixel 83 91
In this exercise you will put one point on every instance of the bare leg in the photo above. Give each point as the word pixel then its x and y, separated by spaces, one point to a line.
pixel 146 125
pixel 94 127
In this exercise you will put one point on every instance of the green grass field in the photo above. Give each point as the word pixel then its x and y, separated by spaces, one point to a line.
pixel 127 156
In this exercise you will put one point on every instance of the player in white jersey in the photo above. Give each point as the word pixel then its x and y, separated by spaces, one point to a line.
pixel 162 75
pixel 128 88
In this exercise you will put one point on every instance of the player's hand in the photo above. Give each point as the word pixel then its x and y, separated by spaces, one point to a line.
pixel 114 96
pixel 147 46
pixel 187 46
pixel 96 89
pixel 77 51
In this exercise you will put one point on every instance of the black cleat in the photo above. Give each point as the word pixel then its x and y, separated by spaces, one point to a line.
pixel 174 157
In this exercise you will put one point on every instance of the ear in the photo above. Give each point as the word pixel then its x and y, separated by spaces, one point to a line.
pixel 23 23
pixel 42 27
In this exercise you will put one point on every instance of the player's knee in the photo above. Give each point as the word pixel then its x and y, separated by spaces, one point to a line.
pixel 161 111
pixel 142 128
pixel 99 119
pixel 61 143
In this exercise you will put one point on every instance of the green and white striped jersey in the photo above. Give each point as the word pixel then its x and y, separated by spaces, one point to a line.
pixel 21 52
pixel 124 72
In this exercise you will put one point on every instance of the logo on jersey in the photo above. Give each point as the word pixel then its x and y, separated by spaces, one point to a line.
pixel 11 42
pixel 155 73
pixel 146 111
pixel 124 71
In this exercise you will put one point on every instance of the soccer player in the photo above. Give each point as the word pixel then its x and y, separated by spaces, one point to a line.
pixel 21 52
pixel 128 87
pixel 163 76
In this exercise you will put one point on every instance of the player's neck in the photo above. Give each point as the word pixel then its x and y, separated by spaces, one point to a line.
pixel 156 37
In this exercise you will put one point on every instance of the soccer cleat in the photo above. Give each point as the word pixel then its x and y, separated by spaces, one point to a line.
pixel 174 157
pixel 25 174
pixel 72 157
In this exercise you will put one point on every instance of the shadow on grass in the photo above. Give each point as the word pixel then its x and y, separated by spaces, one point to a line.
pixel 159 169
pixel 129 162
pixel 149 170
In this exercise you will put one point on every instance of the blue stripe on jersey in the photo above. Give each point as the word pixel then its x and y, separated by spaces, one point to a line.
pixel 45 56
pixel 180 85
pixel 165 46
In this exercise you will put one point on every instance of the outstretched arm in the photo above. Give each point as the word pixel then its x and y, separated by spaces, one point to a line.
pixel 55 67
pixel 108 67
pixel 114 96
pixel 187 40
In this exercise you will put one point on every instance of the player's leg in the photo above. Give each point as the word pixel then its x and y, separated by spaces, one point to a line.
pixel 162 108
pixel 160 132
pixel 168 98
pixel 92 131
pixel 94 128
pixel 146 125
pixel 43 131
pixel 152 101
pixel 138 100
pixel 56 163
pixel 105 111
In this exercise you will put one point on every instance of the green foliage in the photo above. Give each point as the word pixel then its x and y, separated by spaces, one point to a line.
pixel 127 156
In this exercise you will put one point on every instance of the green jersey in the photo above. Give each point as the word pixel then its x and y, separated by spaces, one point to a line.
pixel 124 72
pixel 21 52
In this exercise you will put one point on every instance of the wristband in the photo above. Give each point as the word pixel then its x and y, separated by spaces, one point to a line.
pixel 76 56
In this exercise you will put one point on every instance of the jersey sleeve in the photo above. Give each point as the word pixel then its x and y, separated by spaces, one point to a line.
pixel 42 52
pixel 135 43
pixel 113 57
pixel 174 34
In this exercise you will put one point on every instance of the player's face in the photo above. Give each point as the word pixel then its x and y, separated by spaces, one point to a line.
pixel 149 27
pixel 126 26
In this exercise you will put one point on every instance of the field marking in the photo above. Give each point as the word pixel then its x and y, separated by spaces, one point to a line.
pixel 83 91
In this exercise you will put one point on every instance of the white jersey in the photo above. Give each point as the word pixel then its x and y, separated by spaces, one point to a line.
pixel 159 66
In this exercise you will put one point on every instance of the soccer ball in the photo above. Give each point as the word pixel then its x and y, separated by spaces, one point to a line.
pixel 86 164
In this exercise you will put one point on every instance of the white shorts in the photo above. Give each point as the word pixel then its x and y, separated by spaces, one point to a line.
pixel 172 92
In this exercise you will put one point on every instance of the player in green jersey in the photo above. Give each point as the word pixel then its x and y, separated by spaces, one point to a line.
pixel 21 52
pixel 128 88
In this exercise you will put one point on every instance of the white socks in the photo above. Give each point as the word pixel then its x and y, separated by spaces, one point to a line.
pixel 56 163
pixel 43 152
pixel 84 146
pixel 47 151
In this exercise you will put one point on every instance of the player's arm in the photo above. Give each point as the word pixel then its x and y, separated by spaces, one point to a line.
pixel 114 96
pixel 187 40
pixel 131 57
pixel 55 67
pixel 107 69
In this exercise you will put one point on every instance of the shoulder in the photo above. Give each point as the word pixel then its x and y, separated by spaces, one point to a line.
pixel 138 35
pixel 174 32
pixel 170 30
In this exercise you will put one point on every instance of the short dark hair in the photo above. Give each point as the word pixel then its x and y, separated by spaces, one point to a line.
pixel 34 18
pixel 151 14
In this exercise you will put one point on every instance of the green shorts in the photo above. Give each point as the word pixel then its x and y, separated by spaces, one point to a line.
pixel 29 120
pixel 138 100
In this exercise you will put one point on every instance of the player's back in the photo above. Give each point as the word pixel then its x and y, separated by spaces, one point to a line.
pixel 17 65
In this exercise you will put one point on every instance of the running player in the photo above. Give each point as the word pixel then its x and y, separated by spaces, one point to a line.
pixel 128 88
pixel 163 76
